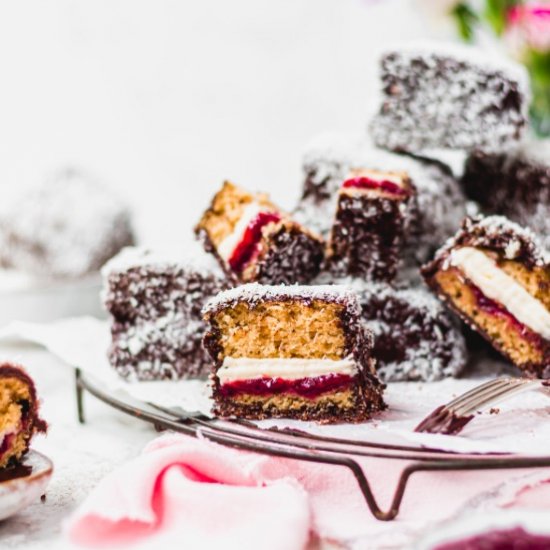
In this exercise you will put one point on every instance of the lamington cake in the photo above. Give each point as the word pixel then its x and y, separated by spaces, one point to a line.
pixel 431 216
pixel 370 225
pixel 255 241
pixel 155 300
pixel 415 339
pixel 291 351
pixel 19 418
pixel 67 227
pixel 496 276
pixel 515 184
pixel 436 95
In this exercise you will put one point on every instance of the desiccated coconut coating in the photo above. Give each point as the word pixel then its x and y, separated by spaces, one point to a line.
pixel 501 235
pixel 415 339
pixel 68 227
pixel 370 229
pixel 515 184
pixel 436 210
pixel 437 95
pixel 254 293
pixel 155 301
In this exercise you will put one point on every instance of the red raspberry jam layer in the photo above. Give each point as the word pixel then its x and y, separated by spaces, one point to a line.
pixel 363 182
pixel 494 308
pixel 505 539
pixel 245 250
pixel 310 388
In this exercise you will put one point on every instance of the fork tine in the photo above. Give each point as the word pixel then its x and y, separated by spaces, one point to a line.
pixel 498 395
pixel 499 385
pixel 475 391
pixel 451 418
pixel 440 416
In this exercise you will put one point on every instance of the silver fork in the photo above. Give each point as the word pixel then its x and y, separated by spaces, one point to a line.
pixel 451 418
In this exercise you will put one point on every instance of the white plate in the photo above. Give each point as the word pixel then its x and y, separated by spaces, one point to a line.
pixel 26 299
pixel 16 493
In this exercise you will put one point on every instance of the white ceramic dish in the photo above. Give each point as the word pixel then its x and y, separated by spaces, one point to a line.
pixel 16 493
pixel 26 299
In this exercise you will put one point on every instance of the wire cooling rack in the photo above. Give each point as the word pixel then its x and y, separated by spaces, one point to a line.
pixel 298 445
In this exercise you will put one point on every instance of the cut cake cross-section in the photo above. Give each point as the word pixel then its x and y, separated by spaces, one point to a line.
pixel 255 241
pixel 19 419
pixel 291 351
pixel 496 276
pixel 371 222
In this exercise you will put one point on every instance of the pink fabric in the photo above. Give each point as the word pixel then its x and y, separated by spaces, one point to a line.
pixel 198 494
pixel 203 495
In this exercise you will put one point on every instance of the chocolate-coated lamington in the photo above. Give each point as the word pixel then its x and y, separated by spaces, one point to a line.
pixel 496 276
pixel 253 240
pixel 515 184
pixel 155 301
pixel 437 95
pixel 291 351
pixel 415 339
pixel 69 226
pixel 435 210
pixel 371 223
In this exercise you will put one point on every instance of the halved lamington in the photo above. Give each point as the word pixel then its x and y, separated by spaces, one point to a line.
pixel 291 351
pixel 428 217
pixel 496 276
pixel 515 184
pixel 437 95
pixel 19 418
pixel 371 224
pixel 255 241
pixel 155 300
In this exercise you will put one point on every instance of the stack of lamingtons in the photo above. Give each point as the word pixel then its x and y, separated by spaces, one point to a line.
pixel 307 314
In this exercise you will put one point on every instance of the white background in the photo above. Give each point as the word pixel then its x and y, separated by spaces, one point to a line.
pixel 163 99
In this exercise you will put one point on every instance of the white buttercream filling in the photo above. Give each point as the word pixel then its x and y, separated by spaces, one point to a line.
pixel 228 245
pixel 243 368
pixel 497 285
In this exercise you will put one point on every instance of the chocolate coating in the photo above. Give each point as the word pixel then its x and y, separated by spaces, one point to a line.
pixel 515 184
pixel 156 322
pixel 437 96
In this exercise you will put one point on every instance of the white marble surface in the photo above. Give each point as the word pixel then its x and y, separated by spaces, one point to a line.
pixel 82 454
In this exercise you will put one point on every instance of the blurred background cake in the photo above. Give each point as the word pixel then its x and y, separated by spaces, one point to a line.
pixel 67 227
pixel 54 239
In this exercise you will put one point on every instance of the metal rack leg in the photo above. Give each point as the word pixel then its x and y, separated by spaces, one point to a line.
pixel 79 397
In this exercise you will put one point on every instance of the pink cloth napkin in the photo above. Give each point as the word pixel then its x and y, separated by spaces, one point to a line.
pixel 198 494
pixel 203 495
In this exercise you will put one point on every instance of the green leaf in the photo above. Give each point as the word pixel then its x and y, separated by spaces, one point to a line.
pixel 466 19
pixel 538 65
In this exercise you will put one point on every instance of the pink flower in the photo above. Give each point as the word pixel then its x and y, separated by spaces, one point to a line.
pixel 529 25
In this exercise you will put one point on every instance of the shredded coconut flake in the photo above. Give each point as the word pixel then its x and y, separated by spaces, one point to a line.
pixel 255 293
pixel 445 96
